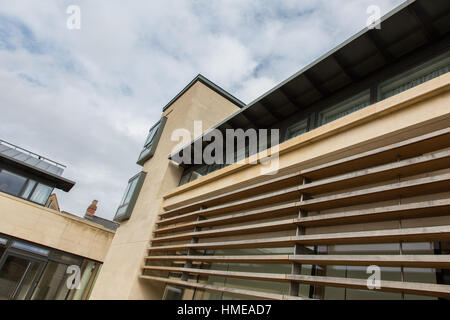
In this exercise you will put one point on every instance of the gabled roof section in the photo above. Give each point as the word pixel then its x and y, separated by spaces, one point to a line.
pixel 53 203
pixel 210 85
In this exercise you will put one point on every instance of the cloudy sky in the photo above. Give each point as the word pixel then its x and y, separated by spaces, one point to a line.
pixel 87 97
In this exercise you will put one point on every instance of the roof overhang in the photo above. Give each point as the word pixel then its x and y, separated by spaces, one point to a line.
pixel 410 26
pixel 56 181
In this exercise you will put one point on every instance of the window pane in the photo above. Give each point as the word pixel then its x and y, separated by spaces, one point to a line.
pixel 185 177
pixel 297 129
pixel 41 194
pixel 28 280
pixel 173 293
pixel 121 211
pixel 415 77
pixel 130 191
pixel 347 107
pixel 129 198
pixel 150 136
pixel 30 185
pixel 89 270
pixel 52 285
pixel 11 273
pixel 11 183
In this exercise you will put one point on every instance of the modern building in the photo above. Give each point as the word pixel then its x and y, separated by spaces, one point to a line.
pixel 45 254
pixel 359 185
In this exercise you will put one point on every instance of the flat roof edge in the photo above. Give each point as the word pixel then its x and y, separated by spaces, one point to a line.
pixel 60 182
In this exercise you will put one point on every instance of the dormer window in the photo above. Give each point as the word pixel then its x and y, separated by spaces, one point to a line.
pixel 152 141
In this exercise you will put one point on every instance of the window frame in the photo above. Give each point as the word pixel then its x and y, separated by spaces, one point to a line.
pixel 303 123
pixel 347 104
pixel 28 180
pixel 150 144
pixel 129 206
pixel 413 74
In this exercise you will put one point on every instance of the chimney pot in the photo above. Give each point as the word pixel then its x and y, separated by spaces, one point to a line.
pixel 92 208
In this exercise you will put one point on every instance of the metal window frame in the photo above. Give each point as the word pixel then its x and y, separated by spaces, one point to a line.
pixel 27 181
pixel 153 143
pixel 130 205
pixel 301 123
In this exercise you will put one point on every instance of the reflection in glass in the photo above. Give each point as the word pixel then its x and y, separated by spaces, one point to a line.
pixel 52 285
pixel 11 274
pixel 28 189
pixel 26 283
pixel 11 183
pixel 41 194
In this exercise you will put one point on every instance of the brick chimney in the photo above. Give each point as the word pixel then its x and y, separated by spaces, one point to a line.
pixel 92 208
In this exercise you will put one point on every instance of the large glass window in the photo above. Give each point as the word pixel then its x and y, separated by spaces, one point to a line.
pixel 30 271
pixel 129 198
pixel 23 187
pixel 41 194
pixel 345 108
pixel 11 183
pixel 415 77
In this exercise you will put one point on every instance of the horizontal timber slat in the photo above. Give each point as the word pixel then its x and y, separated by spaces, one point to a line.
pixel 262 187
pixel 417 261
pixel 291 193
pixel 410 210
pixel 408 148
pixel 404 149
pixel 253 228
pixel 409 167
pixel 242 216
pixel 207 287
pixel 425 234
pixel 435 290
pixel 404 189
pixel 408 188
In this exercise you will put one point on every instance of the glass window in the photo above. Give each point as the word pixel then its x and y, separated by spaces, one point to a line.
pixel 52 285
pixel 129 198
pixel 88 272
pixel 297 129
pixel 129 192
pixel 28 189
pixel 185 177
pixel 151 141
pixel 416 76
pixel 359 272
pixel 199 172
pixel 41 194
pixel 11 183
pixel 173 293
pixel 345 108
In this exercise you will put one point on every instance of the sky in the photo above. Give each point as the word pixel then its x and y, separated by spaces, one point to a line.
pixel 87 97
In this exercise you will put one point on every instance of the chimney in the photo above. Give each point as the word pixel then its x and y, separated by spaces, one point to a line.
pixel 92 208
